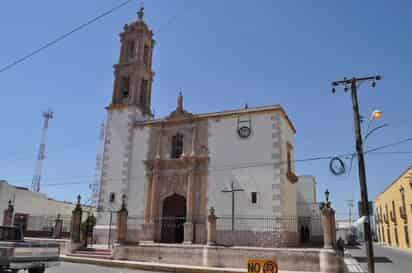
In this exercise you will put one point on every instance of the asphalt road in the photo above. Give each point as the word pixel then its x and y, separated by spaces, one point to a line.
pixel 85 268
pixel 387 260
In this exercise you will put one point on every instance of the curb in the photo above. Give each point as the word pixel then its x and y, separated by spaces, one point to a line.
pixel 151 266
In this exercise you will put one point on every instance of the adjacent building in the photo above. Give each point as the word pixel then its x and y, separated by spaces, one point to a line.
pixel 393 212
pixel 310 225
pixel 34 210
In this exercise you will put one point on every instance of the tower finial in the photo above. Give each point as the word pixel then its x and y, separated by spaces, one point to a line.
pixel 140 13
pixel 180 102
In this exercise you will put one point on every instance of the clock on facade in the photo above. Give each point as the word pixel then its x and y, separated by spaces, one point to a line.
pixel 244 131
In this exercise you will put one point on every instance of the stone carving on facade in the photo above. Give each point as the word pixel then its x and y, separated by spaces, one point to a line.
pixel 176 184
pixel 180 113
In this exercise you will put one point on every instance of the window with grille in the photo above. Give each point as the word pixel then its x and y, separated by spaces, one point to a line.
pixel 254 197
pixel 177 146
pixel 112 197
pixel 396 235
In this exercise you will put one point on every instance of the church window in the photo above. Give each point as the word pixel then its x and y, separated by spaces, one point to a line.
pixel 254 197
pixel 146 55
pixel 112 197
pixel 130 49
pixel 125 86
pixel 177 146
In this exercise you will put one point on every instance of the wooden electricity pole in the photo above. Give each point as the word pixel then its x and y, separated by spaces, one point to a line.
pixel 352 84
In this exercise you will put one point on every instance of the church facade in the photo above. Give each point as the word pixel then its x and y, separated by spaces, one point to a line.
pixel 171 171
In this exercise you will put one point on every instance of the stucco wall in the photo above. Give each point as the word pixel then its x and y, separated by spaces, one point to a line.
pixel 306 194
pixel 396 226
pixel 137 179
pixel 117 158
pixel 289 190
pixel 245 161
pixel 32 203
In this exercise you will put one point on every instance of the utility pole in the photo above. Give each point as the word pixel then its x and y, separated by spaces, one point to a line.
pixel 35 185
pixel 233 191
pixel 353 84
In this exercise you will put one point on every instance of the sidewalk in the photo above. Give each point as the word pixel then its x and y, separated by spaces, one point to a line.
pixel 353 266
pixel 160 266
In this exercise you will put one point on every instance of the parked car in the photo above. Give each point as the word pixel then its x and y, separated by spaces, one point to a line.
pixel 17 254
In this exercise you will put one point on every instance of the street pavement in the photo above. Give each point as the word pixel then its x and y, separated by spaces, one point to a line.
pixel 86 268
pixel 387 260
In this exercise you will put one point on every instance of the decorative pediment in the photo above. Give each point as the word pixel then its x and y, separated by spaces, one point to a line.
pixel 179 113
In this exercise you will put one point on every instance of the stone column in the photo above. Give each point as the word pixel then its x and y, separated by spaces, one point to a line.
pixel 211 227
pixel 327 227
pixel 8 215
pixel 151 206
pixel 188 227
pixel 333 227
pixel 76 222
pixel 148 198
pixel 122 215
pixel 154 201
pixel 58 227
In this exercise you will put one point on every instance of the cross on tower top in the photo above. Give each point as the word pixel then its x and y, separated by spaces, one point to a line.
pixel 140 13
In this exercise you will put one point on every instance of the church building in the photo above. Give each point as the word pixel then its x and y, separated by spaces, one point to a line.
pixel 171 171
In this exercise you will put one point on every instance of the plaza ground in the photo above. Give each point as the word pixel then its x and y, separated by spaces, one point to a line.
pixel 387 259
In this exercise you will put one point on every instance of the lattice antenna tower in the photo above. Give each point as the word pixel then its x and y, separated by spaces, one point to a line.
pixel 35 186
pixel 94 187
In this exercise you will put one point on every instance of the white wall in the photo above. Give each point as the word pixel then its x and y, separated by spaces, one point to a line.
pixel 306 188
pixel 137 179
pixel 117 158
pixel 288 190
pixel 32 203
pixel 229 154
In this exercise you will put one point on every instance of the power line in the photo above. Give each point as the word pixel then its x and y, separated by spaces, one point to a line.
pixel 87 179
pixel 63 36
pixel 388 145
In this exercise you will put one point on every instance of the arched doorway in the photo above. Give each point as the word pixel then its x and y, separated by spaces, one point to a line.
pixel 173 219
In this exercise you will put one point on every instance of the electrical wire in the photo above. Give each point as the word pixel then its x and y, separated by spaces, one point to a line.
pixel 63 36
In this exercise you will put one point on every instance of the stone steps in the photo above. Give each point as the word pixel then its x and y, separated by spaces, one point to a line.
pixel 93 253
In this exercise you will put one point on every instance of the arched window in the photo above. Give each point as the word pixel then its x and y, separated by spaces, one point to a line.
pixel 177 146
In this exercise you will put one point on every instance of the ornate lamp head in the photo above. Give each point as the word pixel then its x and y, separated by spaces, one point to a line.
pixel 212 211
pixel 327 193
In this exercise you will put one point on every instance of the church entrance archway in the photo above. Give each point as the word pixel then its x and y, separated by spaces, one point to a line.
pixel 173 219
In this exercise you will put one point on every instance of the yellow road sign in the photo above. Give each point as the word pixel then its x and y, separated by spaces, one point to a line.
pixel 261 266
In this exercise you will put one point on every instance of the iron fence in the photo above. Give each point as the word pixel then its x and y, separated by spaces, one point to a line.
pixel 262 231
pixel 42 225
pixel 267 231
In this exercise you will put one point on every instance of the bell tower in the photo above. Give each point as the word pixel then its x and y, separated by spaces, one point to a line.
pixel 133 73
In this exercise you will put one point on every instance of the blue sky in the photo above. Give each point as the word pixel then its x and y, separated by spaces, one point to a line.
pixel 221 54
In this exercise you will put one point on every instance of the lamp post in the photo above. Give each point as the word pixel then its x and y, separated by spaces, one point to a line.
pixel 352 84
